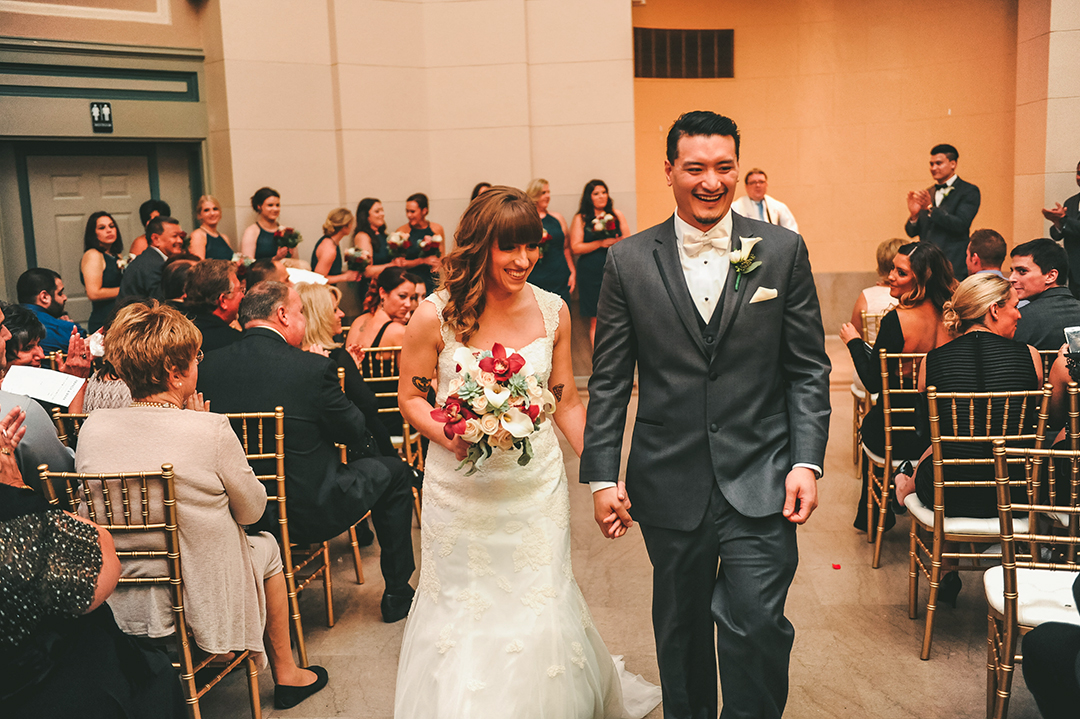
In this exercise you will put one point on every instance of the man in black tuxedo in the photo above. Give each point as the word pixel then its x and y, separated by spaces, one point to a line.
pixel 266 368
pixel 942 214
pixel 212 295
pixel 731 426
pixel 142 278
pixel 1065 228
pixel 1039 269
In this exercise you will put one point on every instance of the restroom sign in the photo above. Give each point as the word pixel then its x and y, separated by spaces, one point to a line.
pixel 101 116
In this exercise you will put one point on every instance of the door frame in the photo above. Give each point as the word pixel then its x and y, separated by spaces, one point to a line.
pixel 84 148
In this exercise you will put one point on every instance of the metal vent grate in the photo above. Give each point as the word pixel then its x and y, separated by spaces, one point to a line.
pixel 684 53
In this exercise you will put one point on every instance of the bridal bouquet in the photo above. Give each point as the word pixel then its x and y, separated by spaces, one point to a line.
pixel 398 243
pixel 430 245
pixel 287 237
pixel 357 258
pixel 495 402
pixel 605 227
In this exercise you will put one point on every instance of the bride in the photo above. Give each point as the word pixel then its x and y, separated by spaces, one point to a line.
pixel 498 626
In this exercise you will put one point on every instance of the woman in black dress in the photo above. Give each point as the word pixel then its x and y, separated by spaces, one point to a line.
pixel 206 240
pixel 326 257
pixel 554 271
pixel 370 235
pixel 258 239
pixel 922 282
pixel 99 268
pixel 417 228
pixel 596 227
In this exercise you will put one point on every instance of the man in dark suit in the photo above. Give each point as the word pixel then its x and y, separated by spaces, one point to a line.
pixel 212 297
pixel 266 368
pixel 1065 228
pixel 1039 269
pixel 942 214
pixel 142 278
pixel 720 317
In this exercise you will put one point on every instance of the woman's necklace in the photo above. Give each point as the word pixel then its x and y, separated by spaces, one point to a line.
pixel 166 405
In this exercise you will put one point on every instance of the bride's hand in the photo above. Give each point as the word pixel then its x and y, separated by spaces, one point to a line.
pixel 459 447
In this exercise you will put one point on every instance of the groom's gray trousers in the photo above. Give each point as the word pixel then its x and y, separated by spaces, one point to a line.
pixel 745 596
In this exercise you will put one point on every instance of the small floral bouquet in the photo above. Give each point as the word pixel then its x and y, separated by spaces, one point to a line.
pixel 544 239
pixel 287 237
pixel 357 258
pixel 123 262
pixel 242 262
pixel 430 245
pixel 398 243
pixel 495 402
pixel 605 227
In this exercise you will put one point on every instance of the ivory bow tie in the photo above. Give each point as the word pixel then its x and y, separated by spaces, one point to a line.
pixel 694 243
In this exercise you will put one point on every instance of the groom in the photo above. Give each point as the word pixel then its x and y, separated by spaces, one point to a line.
pixel 729 439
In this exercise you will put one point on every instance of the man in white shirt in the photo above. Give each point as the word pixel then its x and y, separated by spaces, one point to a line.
pixel 757 205
pixel 719 316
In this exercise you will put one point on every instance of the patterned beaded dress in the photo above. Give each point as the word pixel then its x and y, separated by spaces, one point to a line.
pixel 499 627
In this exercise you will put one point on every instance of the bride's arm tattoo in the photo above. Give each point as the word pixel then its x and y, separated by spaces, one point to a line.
pixel 557 391
pixel 422 383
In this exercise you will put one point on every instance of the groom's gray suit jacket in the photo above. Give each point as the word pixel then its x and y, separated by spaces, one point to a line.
pixel 736 401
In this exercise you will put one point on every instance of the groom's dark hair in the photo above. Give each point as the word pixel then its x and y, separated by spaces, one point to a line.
pixel 700 122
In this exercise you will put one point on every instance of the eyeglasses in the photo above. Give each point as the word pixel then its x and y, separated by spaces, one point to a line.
pixel 199 357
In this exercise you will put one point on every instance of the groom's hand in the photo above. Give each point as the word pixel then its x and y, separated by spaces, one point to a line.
pixel 611 510
pixel 801 498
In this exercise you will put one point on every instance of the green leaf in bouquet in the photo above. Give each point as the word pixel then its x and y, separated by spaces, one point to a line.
pixel 526 452
pixel 476 455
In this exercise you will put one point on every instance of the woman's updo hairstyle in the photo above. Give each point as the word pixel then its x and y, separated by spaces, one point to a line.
pixel 262 195
pixel 932 272
pixel 337 221
pixel 973 300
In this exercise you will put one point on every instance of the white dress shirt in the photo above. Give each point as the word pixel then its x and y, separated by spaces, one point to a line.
pixel 939 195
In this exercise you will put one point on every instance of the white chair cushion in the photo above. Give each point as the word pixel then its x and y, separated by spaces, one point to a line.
pixel 879 460
pixel 858 390
pixel 959 525
pixel 1045 595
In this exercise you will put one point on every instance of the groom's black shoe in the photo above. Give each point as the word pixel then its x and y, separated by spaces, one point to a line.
pixel 286 697
pixel 395 605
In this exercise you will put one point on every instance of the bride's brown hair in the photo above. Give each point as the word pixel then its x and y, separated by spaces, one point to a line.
pixel 503 215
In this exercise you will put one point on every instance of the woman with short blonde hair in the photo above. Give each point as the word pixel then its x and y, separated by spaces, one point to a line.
pixel 206 241
pixel 322 315
pixel 326 257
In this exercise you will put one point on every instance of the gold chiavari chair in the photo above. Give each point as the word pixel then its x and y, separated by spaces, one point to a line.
pixel 262 435
pixel 139 510
pixel 1047 357
pixel 1033 584
pixel 381 364
pixel 56 360
pixel 358 563
pixel 968 422
pixel 898 399
pixel 862 400
pixel 68 426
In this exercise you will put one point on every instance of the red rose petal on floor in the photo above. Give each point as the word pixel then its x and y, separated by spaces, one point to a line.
pixel 836 566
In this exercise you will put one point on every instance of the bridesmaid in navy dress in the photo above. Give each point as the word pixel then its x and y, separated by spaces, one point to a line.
pixel 206 241
pixel 591 245
pixel 98 269
pixel 370 235
pixel 258 239
pixel 326 257
pixel 554 271
pixel 418 227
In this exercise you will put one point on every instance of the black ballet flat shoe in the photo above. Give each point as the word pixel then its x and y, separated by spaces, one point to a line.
pixel 949 589
pixel 395 607
pixel 286 697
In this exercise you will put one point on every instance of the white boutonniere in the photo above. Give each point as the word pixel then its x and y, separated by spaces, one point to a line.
pixel 946 191
pixel 743 259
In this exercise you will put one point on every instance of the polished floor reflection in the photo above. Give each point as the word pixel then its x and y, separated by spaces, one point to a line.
pixel 856 652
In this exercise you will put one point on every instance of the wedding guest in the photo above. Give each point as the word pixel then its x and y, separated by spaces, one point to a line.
pixel 267 368
pixel 1052 665
pixel 942 214
pixel 481 188
pixel 590 237
pixel 1039 271
pixel 40 444
pixel 266 269
pixel 41 291
pixel 25 335
pixel 1065 228
pixel 142 278
pixel 323 316
pixel 206 240
pixel 387 308
pixel 878 298
pixel 986 252
pixel 326 257
pixel 922 282
pixel 258 239
pixel 213 297
pixel 757 205
pixel 155 350
pixel 61 652
pixel 99 268
pixel 148 211
pixel 417 228
pixel 370 235
pixel 174 278
pixel 554 271
pixel 104 389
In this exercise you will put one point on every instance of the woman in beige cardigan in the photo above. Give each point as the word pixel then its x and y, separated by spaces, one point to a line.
pixel 234 588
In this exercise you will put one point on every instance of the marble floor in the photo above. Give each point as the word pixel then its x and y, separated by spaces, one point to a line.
pixel 856 653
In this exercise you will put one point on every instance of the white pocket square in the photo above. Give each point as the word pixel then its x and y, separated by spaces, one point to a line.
pixel 763 294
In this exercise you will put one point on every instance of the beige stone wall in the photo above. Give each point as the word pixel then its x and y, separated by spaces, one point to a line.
pixel 161 23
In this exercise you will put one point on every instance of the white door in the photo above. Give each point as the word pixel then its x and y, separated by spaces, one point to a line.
pixel 64 192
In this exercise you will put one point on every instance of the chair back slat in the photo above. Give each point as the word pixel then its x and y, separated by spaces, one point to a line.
pixel 871 323
pixel 68 425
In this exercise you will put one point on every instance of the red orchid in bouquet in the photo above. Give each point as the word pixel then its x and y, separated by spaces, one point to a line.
pixel 397 244
pixel 287 237
pixel 494 402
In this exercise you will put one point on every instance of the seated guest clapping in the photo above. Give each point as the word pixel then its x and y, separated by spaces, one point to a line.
pixel 213 294
pixel 233 582
pixel 266 368
pixel 23 349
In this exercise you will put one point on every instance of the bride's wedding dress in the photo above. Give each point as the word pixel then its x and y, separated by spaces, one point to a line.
pixel 499 627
